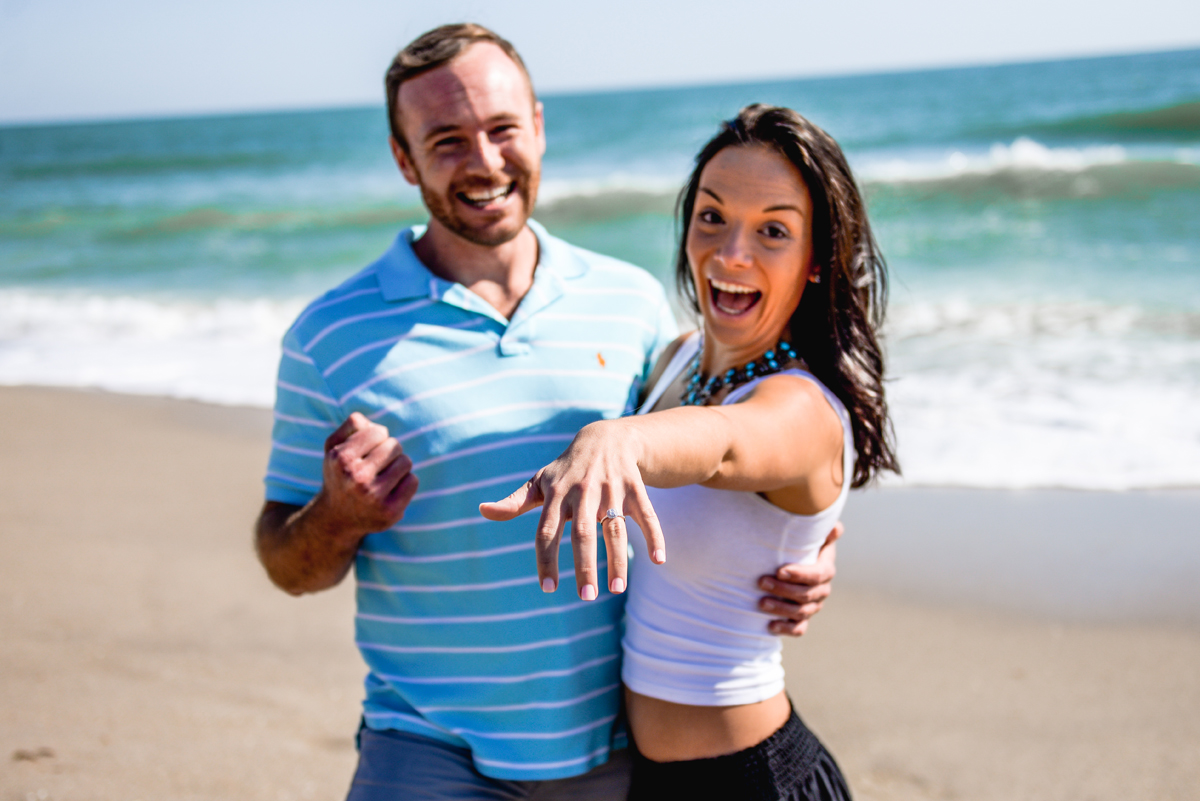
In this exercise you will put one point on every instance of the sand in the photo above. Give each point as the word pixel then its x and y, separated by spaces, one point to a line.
pixel 979 645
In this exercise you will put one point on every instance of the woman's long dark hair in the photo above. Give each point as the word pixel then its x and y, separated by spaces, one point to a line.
pixel 834 327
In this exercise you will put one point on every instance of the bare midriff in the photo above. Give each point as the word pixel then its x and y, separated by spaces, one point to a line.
pixel 669 732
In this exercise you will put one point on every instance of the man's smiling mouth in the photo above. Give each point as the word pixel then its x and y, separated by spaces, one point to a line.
pixel 482 198
pixel 732 298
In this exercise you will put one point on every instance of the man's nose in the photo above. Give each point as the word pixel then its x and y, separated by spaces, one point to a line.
pixel 486 157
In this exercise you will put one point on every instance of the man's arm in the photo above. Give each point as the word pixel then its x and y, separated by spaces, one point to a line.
pixel 368 483
pixel 799 591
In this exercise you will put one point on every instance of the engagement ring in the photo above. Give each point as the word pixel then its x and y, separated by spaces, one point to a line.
pixel 613 514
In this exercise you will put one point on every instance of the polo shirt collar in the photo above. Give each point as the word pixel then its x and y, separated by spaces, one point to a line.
pixel 402 276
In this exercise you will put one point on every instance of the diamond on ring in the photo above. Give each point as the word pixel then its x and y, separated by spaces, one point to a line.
pixel 613 514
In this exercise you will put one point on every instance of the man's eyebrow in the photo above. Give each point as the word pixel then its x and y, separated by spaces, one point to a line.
pixel 438 131
pixel 503 117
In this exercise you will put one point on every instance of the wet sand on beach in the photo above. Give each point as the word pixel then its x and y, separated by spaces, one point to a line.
pixel 979 644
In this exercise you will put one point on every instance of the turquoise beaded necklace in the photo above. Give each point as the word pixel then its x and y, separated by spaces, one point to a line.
pixel 698 389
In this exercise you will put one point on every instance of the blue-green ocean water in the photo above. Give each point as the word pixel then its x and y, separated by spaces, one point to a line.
pixel 1041 223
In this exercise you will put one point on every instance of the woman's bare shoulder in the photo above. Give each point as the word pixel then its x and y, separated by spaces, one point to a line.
pixel 665 358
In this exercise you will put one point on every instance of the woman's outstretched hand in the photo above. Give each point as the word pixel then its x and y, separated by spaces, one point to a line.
pixel 597 472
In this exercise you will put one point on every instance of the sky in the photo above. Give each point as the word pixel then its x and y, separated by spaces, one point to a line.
pixel 104 59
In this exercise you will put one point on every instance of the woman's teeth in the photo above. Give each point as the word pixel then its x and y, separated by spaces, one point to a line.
pixel 726 287
pixel 732 298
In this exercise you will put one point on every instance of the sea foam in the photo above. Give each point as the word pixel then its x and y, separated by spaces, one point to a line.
pixel 1067 394
pixel 1003 395
pixel 222 352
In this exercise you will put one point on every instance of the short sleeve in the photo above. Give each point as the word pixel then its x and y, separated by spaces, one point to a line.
pixel 306 414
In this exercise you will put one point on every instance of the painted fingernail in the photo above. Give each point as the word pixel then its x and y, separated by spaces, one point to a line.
pixel 547 584
pixel 660 556
pixel 588 593
pixel 617 585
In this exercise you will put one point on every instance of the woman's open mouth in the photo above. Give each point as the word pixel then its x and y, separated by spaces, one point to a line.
pixel 732 298
pixel 482 198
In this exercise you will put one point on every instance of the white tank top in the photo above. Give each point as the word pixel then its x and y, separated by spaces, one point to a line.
pixel 693 631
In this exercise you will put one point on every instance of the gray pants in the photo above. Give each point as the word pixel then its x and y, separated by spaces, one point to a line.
pixel 395 765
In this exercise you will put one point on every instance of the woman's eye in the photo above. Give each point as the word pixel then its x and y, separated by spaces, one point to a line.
pixel 709 216
pixel 775 232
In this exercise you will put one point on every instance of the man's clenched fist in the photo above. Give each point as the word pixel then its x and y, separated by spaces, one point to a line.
pixel 368 477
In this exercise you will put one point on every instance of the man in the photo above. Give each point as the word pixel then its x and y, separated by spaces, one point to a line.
pixel 468 356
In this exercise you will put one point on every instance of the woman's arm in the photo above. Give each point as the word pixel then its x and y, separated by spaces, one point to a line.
pixel 781 437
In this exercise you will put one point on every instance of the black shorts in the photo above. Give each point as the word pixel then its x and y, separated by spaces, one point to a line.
pixel 790 765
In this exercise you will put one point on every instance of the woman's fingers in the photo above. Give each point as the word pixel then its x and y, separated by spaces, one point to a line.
pixel 549 535
pixel 583 544
pixel 616 543
pixel 571 494
pixel 527 496
pixel 643 513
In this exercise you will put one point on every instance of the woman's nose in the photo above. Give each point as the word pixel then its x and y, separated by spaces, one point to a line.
pixel 735 249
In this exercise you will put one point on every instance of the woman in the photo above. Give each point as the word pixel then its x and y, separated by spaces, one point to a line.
pixel 758 429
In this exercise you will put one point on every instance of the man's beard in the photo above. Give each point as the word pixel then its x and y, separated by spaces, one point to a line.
pixel 443 208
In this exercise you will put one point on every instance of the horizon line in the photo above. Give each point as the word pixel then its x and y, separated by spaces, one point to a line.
pixel 217 113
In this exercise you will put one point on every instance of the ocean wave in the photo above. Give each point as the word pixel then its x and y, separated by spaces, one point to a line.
pixel 605 206
pixel 153 224
pixel 221 352
pixel 960 428
pixel 142 165
pixel 568 202
pixel 1023 169
pixel 1045 394
pixel 958 317
pixel 987 395
pixel 205 219
pixel 1027 169
pixel 1180 121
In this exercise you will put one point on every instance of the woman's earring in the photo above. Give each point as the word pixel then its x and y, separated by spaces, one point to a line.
pixel 815 278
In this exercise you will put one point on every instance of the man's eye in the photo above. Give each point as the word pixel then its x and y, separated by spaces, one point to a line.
pixel 447 142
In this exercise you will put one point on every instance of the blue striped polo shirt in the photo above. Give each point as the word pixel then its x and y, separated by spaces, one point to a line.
pixel 461 643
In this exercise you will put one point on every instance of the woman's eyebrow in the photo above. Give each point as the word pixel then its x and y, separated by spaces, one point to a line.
pixel 716 197
pixel 785 207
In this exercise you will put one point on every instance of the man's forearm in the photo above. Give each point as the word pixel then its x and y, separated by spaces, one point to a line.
pixel 302 548
pixel 367 482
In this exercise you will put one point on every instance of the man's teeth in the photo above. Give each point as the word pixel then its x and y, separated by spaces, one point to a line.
pixel 484 197
pixel 734 288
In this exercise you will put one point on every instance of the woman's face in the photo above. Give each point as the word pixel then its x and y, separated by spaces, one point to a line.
pixel 750 247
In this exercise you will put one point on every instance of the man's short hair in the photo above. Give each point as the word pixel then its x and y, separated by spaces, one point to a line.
pixel 433 49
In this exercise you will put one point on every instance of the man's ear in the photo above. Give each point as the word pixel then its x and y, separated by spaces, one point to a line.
pixel 404 162
pixel 539 125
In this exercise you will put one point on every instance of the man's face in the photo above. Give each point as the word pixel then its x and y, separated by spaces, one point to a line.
pixel 475 144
